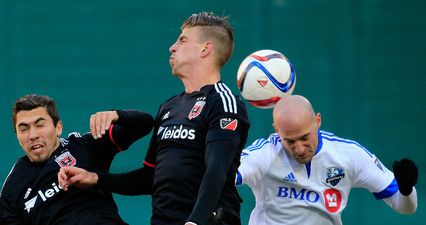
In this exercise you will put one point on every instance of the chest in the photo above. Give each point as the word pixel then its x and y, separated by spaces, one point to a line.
pixel 183 121
pixel 321 174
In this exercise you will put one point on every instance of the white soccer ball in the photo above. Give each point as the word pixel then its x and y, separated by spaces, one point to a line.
pixel 264 77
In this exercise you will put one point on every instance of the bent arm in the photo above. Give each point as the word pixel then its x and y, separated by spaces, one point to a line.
pixel 136 182
pixel 403 204
pixel 130 126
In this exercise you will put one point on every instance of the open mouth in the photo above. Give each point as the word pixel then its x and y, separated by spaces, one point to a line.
pixel 36 148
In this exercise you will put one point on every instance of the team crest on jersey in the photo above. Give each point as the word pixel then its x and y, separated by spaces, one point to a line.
pixel 332 200
pixel 66 160
pixel 196 109
pixel 228 124
pixel 334 175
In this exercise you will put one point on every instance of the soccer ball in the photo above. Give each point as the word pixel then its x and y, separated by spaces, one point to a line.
pixel 264 77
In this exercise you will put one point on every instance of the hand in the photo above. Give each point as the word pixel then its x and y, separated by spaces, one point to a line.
pixel 406 174
pixel 101 121
pixel 76 177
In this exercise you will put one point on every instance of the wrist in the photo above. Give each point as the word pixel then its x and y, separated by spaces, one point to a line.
pixel 406 190
pixel 95 178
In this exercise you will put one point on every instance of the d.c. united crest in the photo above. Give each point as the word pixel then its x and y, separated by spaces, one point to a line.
pixel 196 109
pixel 66 160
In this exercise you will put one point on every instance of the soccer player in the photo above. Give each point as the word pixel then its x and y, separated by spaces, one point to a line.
pixel 198 136
pixel 303 175
pixel 31 194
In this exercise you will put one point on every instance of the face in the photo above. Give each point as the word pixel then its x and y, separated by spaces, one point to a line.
pixel 36 133
pixel 185 51
pixel 301 142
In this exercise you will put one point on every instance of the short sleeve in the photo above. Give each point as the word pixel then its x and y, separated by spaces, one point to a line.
pixel 372 175
pixel 227 116
pixel 255 162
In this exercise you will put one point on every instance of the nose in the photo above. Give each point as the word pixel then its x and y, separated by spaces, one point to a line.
pixel 298 148
pixel 33 134
pixel 172 48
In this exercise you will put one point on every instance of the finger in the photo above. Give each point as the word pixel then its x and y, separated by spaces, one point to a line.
pixel 98 121
pixel 106 121
pixel 93 127
pixel 61 178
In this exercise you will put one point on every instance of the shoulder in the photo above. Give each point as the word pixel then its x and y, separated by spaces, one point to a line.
pixel 221 98
pixel 263 146
pixel 76 137
pixel 342 145
pixel 169 101
pixel 15 175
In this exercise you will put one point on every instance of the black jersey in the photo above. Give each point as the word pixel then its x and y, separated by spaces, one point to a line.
pixel 31 195
pixel 195 150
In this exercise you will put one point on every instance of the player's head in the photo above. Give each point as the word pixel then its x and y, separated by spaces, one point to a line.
pixel 297 125
pixel 207 35
pixel 37 126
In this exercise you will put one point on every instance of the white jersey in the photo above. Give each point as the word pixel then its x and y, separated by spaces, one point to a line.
pixel 288 192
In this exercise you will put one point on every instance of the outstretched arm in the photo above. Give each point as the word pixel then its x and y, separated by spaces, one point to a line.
pixel 137 182
pixel 405 200
pixel 403 204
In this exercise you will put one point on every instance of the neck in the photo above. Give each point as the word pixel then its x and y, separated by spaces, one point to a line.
pixel 196 82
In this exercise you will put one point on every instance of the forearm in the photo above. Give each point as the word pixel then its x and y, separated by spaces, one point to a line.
pixel 136 182
pixel 219 157
pixel 403 204
pixel 131 126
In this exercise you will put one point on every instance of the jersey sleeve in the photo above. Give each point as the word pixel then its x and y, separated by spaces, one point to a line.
pixel 8 215
pixel 227 117
pixel 255 161
pixel 8 210
pixel 151 154
pixel 226 135
pixel 371 174
pixel 131 126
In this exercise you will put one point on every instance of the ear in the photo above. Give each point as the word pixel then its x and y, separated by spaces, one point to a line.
pixel 273 125
pixel 318 120
pixel 207 50
pixel 59 128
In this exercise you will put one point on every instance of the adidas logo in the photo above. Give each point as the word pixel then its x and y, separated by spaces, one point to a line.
pixel 290 178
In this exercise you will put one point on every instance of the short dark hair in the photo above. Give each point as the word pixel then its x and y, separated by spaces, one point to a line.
pixel 32 101
pixel 216 28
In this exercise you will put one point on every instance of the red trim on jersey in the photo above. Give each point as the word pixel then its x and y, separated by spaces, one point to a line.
pixel 112 138
pixel 148 164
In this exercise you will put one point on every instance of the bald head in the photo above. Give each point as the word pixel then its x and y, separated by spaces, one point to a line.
pixel 293 111
pixel 297 125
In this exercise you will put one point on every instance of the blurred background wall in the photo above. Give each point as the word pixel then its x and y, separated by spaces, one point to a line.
pixel 360 62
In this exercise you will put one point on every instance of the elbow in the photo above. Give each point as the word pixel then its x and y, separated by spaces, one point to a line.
pixel 410 211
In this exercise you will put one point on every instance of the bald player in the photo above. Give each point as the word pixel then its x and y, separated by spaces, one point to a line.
pixel 303 175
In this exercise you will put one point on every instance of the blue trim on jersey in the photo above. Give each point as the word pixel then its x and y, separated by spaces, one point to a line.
pixel 274 138
pixel 332 137
pixel 308 168
pixel 258 144
pixel 388 191
pixel 319 143
pixel 239 180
